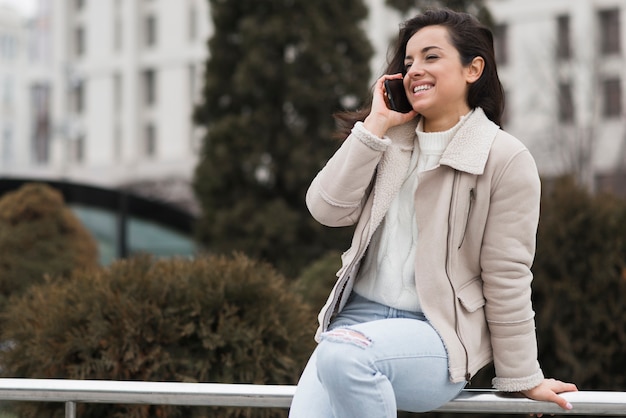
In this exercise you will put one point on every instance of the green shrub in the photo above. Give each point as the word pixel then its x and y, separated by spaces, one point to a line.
pixel 39 235
pixel 317 280
pixel 211 319
pixel 580 287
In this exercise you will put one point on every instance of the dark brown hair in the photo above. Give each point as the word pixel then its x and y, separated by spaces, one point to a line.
pixel 471 39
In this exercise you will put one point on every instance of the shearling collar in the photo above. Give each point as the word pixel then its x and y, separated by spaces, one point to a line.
pixel 468 151
pixel 469 148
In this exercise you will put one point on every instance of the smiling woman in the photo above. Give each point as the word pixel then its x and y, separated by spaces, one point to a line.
pixel 437 283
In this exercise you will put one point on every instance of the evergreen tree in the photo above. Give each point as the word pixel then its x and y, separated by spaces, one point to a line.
pixel 277 72
pixel 476 7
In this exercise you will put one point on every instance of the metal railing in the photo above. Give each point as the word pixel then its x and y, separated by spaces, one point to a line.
pixel 72 392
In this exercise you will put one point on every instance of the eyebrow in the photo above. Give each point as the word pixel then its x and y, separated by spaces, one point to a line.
pixel 428 48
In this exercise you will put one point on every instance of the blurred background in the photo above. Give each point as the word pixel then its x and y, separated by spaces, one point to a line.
pixel 181 129
pixel 102 93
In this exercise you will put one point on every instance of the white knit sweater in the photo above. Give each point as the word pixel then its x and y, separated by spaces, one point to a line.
pixel 387 274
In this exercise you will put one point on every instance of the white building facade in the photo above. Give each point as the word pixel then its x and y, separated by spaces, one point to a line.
pixel 563 67
pixel 118 81
pixel 24 93
pixel 124 77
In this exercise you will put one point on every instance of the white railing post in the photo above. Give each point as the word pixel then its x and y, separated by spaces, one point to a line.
pixel 70 409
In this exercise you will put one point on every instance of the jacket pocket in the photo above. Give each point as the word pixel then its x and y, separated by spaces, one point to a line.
pixel 472 199
pixel 471 295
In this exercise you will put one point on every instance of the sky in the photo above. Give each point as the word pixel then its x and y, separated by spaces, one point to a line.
pixel 27 7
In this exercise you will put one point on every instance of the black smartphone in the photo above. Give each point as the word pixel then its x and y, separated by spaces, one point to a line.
pixel 396 96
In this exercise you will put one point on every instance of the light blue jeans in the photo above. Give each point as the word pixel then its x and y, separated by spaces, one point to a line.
pixel 373 361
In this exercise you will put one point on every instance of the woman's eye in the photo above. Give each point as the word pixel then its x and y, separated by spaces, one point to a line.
pixel 407 66
pixel 431 57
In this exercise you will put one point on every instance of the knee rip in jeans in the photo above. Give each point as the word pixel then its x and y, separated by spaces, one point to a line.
pixel 347 335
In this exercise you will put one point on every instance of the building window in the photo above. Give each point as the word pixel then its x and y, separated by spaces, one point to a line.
pixel 118 26
pixel 79 98
pixel 117 93
pixel 7 93
pixel 501 41
pixel 79 41
pixel 563 46
pixel 193 23
pixel 118 30
pixel 7 145
pixel 609 31
pixel 78 149
pixel 149 87
pixel 150 31
pixel 8 45
pixel 117 111
pixel 117 141
pixel 193 83
pixel 612 89
pixel 566 103
pixel 150 140
pixel 40 122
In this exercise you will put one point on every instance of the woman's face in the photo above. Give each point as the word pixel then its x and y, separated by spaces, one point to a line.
pixel 436 82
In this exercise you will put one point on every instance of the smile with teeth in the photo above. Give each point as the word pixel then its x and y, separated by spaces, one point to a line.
pixel 423 87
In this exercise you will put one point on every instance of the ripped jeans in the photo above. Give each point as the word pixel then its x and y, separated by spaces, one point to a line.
pixel 371 362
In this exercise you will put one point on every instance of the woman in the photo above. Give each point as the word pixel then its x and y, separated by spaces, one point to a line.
pixel 436 284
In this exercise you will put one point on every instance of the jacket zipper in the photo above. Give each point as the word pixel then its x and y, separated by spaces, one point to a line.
pixel 457 175
pixel 341 287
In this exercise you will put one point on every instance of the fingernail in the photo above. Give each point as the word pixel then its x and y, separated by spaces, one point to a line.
pixel 568 406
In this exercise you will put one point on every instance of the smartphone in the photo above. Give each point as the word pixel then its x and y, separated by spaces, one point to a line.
pixel 396 96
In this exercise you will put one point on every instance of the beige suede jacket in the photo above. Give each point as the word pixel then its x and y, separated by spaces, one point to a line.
pixel 477 214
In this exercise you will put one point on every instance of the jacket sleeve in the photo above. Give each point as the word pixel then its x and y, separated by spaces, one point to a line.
pixel 506 260
pixel 336 195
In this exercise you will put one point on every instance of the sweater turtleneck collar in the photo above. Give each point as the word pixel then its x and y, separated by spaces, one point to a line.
pixel 437 141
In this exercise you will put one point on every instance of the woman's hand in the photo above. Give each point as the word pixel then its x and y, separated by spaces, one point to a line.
pixel 548 390
pixel 381 118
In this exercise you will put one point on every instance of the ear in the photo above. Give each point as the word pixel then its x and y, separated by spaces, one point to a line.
pixel 474 70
